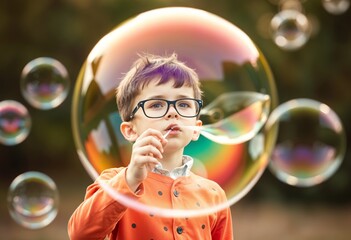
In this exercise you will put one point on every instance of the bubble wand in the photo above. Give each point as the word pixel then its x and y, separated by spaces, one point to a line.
pixel 166 134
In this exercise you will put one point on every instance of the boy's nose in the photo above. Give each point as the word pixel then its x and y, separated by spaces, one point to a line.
pixel 172 112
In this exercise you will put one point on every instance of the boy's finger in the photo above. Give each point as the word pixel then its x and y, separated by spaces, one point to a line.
pixel 149 161
pixel 152 132
pixel 150 141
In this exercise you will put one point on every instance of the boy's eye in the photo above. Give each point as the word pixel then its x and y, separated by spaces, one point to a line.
pixel 156 105
pixel 184 104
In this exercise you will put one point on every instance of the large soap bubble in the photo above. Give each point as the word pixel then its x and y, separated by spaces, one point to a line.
pixel 238 86
pixel 33 200
pixel 310 144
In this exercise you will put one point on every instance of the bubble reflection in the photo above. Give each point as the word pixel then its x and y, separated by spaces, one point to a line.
pixel 44 83
pixel 15 122
pixel 234 118
pixel 33 200
pixel 290 29
pixel 310 144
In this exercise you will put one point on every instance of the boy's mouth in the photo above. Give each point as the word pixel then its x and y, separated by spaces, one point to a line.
pixel 173 127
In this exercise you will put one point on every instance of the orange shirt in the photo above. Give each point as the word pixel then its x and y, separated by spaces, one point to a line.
pixel 99 215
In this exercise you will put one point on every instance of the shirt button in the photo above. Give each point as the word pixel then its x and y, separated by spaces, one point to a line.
pixel 175 193
pixel 179 230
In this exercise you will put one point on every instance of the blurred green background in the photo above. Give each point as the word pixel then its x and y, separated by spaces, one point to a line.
pixel 67 30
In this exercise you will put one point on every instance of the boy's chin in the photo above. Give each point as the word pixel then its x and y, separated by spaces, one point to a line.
pixel 172 148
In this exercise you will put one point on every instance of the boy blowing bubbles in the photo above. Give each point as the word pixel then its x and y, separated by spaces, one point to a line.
pixel 157 97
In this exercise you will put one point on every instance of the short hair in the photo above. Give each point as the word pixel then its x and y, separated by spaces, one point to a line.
pixel 152 67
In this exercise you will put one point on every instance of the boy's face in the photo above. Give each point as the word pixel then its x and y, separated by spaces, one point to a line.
pixel 177 138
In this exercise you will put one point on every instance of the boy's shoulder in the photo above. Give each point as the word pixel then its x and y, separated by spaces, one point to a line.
pixel 111 172
pixel 200 180
pixel 209 189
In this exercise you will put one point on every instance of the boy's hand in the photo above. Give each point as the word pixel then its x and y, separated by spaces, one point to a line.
pixel 146 152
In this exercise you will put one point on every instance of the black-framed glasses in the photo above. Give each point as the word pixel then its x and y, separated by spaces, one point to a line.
pixel 157 107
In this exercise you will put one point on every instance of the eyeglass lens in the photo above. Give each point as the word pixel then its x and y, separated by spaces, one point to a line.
pixel 158 107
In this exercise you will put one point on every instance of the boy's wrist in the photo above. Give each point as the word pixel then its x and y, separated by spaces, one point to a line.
pixel 132 183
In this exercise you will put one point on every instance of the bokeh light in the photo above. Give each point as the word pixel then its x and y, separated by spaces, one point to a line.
pixel 336 7
pixel 310 143
pixel 290 5
pixel 228 64
pixel 44 83
pixel 15 122
pixel 290 29
pixel 33 200
pixel 314 25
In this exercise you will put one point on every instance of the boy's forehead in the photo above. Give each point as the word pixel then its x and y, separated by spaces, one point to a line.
pixel 167 81
pixel 155 89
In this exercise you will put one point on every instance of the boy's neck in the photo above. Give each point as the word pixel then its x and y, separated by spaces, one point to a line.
pixel 172 160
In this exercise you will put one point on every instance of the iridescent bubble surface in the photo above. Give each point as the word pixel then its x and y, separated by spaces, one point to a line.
pixel 310 143
pixel 33 200
pixel 15 122
pixel 44 83
pixel 290 29
pixel 226 122
pixel 228 64
pixel 336 7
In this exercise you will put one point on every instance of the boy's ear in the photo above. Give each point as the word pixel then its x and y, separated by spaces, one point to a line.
pixel 128 131
pixel 196 134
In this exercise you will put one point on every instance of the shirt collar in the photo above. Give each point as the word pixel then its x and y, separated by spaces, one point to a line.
pixel 183 170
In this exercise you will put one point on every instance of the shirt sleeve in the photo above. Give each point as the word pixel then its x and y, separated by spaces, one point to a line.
pixel 223 229
pixel 98 214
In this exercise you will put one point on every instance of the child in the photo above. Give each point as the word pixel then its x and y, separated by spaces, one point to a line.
pixel 157 96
